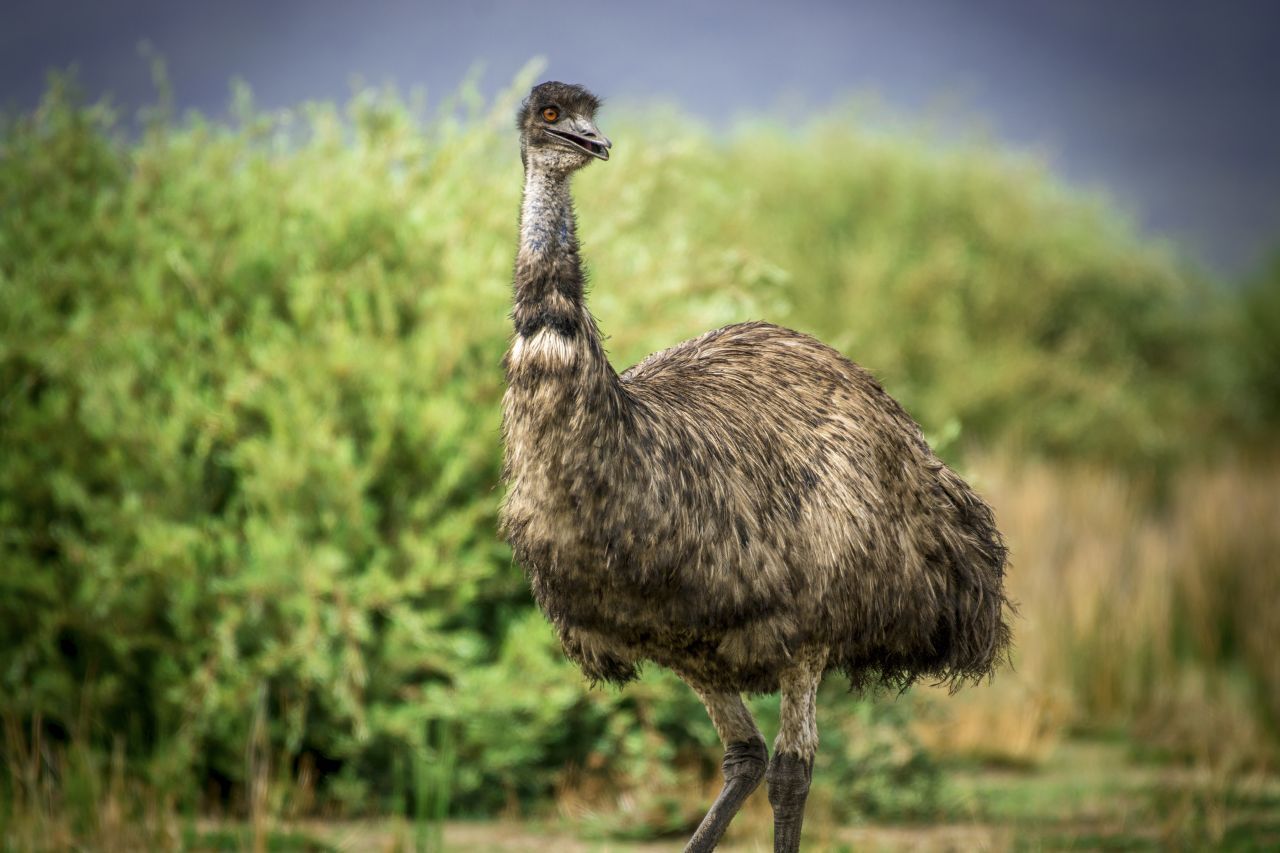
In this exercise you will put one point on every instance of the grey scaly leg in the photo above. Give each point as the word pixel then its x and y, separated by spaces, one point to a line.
pixel 745 758
pixel 792 767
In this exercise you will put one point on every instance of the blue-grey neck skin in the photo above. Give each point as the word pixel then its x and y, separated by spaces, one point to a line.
pixel 548 270
pixel 547 223
pixel 547 265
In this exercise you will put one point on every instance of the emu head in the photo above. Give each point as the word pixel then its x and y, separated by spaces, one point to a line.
pixel 557 125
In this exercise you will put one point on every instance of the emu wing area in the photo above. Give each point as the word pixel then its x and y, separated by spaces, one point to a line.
pixel 765 493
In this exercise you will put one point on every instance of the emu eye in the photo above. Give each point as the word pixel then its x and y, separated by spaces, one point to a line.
pixel 551 114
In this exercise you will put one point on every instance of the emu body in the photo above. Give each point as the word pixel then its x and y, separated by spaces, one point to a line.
pixel 748 508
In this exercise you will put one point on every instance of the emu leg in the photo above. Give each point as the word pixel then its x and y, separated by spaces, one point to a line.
pixel 745 758
pixel 792 767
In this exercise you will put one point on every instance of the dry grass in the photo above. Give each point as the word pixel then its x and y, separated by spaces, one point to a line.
pixel 1154 608
pixel 67 798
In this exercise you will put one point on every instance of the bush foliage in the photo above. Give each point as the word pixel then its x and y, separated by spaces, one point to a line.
pixel 250 385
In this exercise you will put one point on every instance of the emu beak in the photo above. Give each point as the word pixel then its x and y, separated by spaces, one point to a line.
pixel 583 134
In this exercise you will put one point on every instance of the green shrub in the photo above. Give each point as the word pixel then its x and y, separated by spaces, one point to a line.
pixel 1259 336
pixel 250 441
pixel 990 301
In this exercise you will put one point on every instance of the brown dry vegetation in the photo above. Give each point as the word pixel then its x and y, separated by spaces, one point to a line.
pixel 1140 602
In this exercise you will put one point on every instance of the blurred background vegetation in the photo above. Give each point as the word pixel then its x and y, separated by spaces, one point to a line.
pixel 249 452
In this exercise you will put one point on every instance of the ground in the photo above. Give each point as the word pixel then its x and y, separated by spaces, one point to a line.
pixel 1091 794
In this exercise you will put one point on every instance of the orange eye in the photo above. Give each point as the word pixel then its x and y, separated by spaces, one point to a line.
pixel 551 114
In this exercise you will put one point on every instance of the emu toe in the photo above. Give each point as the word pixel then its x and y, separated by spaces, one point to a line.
pixel 743 766
pixel 789 777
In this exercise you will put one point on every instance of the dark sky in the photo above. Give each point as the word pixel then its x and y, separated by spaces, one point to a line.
pixel 1171 106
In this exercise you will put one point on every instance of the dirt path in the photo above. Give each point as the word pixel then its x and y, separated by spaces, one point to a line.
pixel 515 837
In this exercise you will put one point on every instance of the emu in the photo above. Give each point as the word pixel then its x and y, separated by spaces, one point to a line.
pixel 748 508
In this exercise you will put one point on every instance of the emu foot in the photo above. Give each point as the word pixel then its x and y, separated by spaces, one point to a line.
pixel 789 776
pixel 743 766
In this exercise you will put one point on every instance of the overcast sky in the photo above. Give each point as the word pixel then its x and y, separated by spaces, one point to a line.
pixel 1171 106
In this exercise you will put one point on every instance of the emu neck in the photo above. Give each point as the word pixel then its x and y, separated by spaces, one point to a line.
pixel 565 406
pixel 555 337
pixel 549 279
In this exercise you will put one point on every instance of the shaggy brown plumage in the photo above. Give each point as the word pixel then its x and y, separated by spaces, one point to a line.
pixel 730 505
